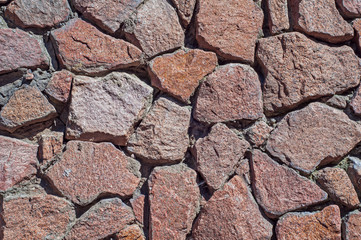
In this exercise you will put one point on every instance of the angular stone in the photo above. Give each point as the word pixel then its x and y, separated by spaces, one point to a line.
pixel 133 232
pixel 243 170
pixel 338 101
pixel 155 28
pixel 105 218
pixel 107 108
pixel 185 10
pixel 338 186
pixel 59 86
pixel 25 107
pixel 50 144
pixel 325 224
pixel 232 92
pixel 357 39
pixel 354 172
pixel 320 19
pixel 107 14
pixel 351 226
pixel 232 214
pixel 162 136
pixel 349 8
pixel 138 207
pixel 20 50
pixel 278 19
pixel 229 27
pixel 82 48
pixel 88 170
pixel 179 73
pixel 312 137
pixel 218 154
pixel 258 133
pixel 9 83
pixel 37 13
pixel 279 189
pixel 36 217
pixel 174 201
pixel 298 69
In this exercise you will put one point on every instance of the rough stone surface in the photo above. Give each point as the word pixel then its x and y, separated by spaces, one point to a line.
pixel 320 19
pixel 20 50
pixel 232 92
pixel 82 48
pixel 133 232
pixel 297 70
pixel 311 137
pixel 338 101
pixel 185 9
pixel 258 133
pixel 107 108
pixel 9 83
pixel 25 107
pixel 351 226
pixel 37 13
pixel 243 170
pixel 354 172
pixel 356 102
pixel 156 28
pixel 50 144
pixel 349 8
pixel 174 200
pixel 218 154
pixel 179 73
pixel 232 213
pixel 138 207
pixel 278 19
pixel 59 86
pixel 88 170
pixel 325 224
pixel 107 14
pixel 279 189
pixel 229 27
pixel 357 39
pixel 162 136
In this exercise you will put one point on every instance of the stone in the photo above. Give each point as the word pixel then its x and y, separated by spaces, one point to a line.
pixel 320 19
pixel 185 9
pixel 105 218
pixel 50 145
pixel 107 108
pixel 243 171
pixel 349 8
pixel 133 232
pixel 325 224
pixel 311 137
pixel 155 28
pixel 354 172
pixel 229 28
pixel 338 186
pixel 20 50
pixel 107 14
pixel 59 86
pixel 356 102
pixel 278 19
pixel 258 133
pixel 218 154
pixel 25 107
pixel 87 170
pixel 82 48
pixel 279 189
pixel 138 204
pixel 338 101
pixel 232 213
pixel 232 92
pixel 174 200
pixel 162 136
pixel 351 226
pixel 9 83
pixel 298 69
pixel 357 39
pixel 36 217
pixel 37 13
pixel 179 73
pixel 18 160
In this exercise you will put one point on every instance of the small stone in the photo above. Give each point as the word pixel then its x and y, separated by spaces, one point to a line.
pixel 138 207
pixel 185 10
pixel 218 154
pixel 311 137
pixel 325 224
pixel 229 27
pixel 179 73
pixel 349 8
pixel 174 201
pixel 82 48
pixel 107 108
pixel 357 39
pixel 278 19
pixel 59 86
pixel 351 226
pixel 162 136
pixel 298 69
pixel 354 172
pixel 338 186
pixel 243 170
pixel 232 214
pixel 50 144
pixel 37 13
pixel 356 102
pixel 337 101
pixel 25 107
pixel 9 83
pixel 258 133
pixel 232 92
pixel 320 19
pixel 29 75
pixel 133 232
pixel 155 28
pixel 88 170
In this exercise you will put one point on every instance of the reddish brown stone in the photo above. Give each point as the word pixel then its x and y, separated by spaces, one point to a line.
pixel 138 207
pixel 174 200
pixel 349 8
pixel 232 214
pixel 88 170
pixel 50 144
pixel 298 69
pixel 354 172
pixel 229 27
pixel 218 154
pixel 59 86
pixel 258 133
pixel 278 20
pixel 351 226
pixel 325 224
pixel 311 137
pixel 82 48
pixel 185 10
pixel 357 39
pixel 20 50
pixel 320 19
pixel 37 13
pixel 232 92
pixel 25 107
pixel 132 232
pixel 243 170
pixel 179 73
